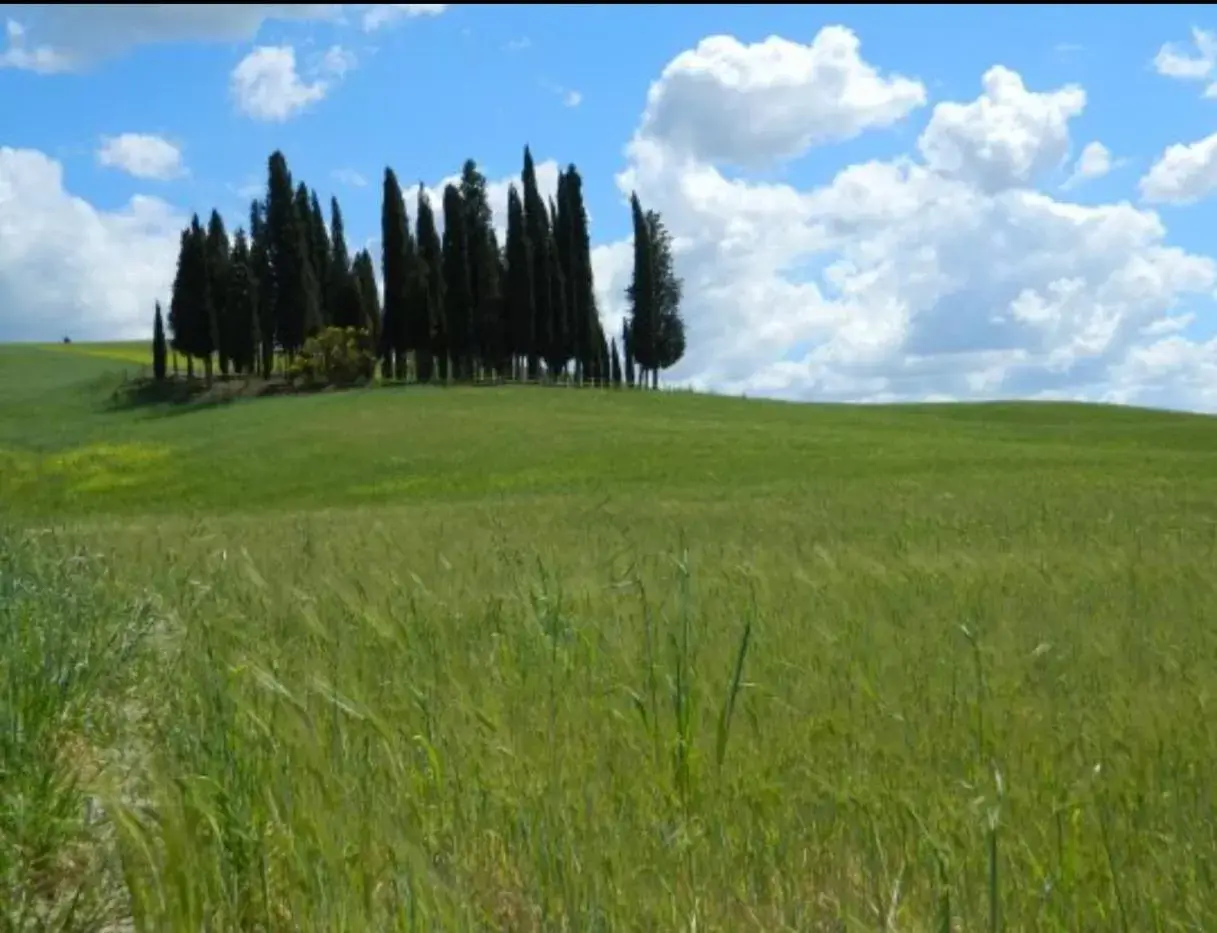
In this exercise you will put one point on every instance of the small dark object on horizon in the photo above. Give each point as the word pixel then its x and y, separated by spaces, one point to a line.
pixel 67 339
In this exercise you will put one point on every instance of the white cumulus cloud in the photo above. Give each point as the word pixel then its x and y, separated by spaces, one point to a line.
pixel 1006 137
pixel 266 85
pixel 67 267
pixel 142 155
pixel 941 274
pixel 749 104
pixel 1173 62
pixel 1183 174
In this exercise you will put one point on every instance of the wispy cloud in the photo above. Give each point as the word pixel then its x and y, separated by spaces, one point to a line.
pixel 348 176
pixel 1095 161
pixel 142 155
pixel 569 96
pixel 379 15
pixel 1173 62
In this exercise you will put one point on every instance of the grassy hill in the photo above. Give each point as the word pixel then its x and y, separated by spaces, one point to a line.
pixel 536 659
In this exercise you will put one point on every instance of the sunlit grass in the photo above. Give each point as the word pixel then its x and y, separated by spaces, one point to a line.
pixel 530 659
pixel 138 352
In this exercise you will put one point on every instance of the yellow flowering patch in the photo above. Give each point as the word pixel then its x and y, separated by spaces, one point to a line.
pixel 139 354
pixel 86 470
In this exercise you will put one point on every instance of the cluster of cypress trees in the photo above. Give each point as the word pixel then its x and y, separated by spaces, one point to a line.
pixel 456 307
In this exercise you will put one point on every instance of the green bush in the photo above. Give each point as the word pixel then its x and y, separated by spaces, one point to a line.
pixel 338 356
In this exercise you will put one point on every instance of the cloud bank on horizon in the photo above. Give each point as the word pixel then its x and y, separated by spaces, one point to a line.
pixel 846 230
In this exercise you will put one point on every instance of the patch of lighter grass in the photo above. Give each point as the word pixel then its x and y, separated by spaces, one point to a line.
pixel 140 354
pixel 82 471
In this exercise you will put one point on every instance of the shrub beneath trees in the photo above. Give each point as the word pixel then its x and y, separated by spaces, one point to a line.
pixel 337 356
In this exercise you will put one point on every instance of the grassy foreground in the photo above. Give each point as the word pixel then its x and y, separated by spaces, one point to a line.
pixel 545 659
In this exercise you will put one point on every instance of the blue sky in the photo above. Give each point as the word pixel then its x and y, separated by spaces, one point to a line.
pixel 891 227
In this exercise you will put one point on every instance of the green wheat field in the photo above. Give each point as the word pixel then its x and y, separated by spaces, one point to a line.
pixel 546 659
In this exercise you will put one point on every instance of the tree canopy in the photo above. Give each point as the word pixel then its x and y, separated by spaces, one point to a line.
pixel 451 305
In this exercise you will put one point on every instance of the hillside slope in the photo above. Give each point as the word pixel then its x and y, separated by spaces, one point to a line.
pixel 68 453
pixel 534 658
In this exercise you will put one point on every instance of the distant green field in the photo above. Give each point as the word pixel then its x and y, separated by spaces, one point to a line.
pixel 526 658
pixel 138 352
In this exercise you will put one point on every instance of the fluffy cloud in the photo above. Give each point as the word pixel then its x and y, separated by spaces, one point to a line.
pixel 773 99
pixel 1184 173
pixel 1094 162
pixel 142 155
pixel 379 15
pixel 68 268
pixel 1173 62
pixel 1006 137
pixel 69 37
pixel 265 84
pixel 944 274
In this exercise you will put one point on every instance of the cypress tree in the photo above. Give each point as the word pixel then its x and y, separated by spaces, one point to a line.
pixel 205 339
pixel 566 330
pixel 160 351
pixel 218 249
pixel 263 288
pixel 583 337
pixel 314 312
pixel 319 242
pixel 197 323
pixel 669 289
pixel 295 287
pixel 304 215
pixel 643 297
pixel 557 343
pixel 344 301
pixel 615 364
pixel 430 269
pixel 179 304
pixel 627 353
pixel 537 229
pixel 363 275
pixel 520 311
pixel 458 291
pixel 491 327
pixel 587 336
pixel 485 283
pixel 603 362
pixel 242 307
pixel 397 332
